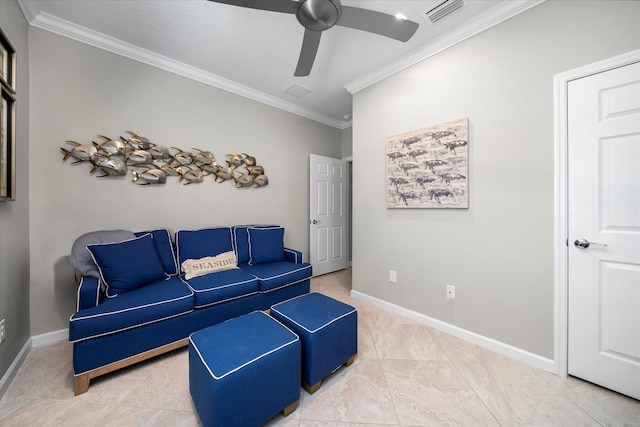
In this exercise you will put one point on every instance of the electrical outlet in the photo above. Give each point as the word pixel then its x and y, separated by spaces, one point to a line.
pixel 392 276
pixel 451 292
pixel 3 331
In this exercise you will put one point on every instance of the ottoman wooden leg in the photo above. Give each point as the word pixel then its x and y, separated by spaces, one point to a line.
pixel 312 388
pixel 289 409
pixel 349 361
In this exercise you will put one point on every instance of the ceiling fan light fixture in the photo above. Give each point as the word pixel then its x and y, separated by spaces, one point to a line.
pixel 318 15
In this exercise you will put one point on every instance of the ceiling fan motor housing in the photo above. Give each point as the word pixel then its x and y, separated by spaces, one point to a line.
pixel 318 15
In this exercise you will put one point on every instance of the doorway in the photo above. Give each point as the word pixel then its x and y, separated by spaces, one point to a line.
pixel 608 342
pixel 328 211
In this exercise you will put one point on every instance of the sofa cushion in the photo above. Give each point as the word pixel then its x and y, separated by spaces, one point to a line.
pixel 200 267
pixel 127 265
pixel 81 258
pixel 241 240
pixel 155 302
pixel 196 244
pixel 164 247
pixel 222 286
pixel 274 275
pixel 266 244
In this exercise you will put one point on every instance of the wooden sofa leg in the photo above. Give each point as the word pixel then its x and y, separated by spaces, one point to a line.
pixel 350 361
pixel 289 409
pixel 81 384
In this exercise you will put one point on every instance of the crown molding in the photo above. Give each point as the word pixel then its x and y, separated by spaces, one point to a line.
pixel 494 16
pixel 28 10
pixel 82 34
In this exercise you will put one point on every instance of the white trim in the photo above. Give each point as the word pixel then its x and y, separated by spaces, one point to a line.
pixel 125 310
pixel 286 285
pixel 78 291
pixel 494 16
pixel 33 342
pixel 8 377
pixel 226 300
pixel 115 331
pixel 205 363
pixel 93 38
pixel 301 326
pixel 50 338
pixel 486 342
pixel 277 276
pixel 228 285
pixel 29 10
pixel 560 226
pixel 296 254
pixel 349 210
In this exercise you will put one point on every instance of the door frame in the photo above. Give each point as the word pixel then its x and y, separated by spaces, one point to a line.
pixel 349 161
pixel 313 188
pixel 560 235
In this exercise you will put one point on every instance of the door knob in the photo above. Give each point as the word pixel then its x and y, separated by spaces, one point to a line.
pixel 314 221
pixel 584 243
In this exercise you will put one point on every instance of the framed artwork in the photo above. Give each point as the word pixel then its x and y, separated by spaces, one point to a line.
pixel 7 63
pixel 429 167
pixel 7 120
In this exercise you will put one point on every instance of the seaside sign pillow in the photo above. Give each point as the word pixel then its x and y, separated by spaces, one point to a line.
pixel 266 244
pixel 128 265
pixel 207 265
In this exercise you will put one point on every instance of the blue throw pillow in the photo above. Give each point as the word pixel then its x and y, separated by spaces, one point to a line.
pixel 266 244
pixel 128 265
pixel 164 247
pixel 241 240
pixel 206 242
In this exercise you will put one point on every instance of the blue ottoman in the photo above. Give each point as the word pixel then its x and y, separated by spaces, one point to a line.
pixel 244 371
pixel 328 330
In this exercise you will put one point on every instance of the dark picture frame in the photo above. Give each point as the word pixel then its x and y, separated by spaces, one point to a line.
pixel 7 119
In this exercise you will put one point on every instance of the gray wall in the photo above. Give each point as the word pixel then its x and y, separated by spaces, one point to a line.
pixel 79 91
pixel 499 252
pixel 14 216
pixel 347 142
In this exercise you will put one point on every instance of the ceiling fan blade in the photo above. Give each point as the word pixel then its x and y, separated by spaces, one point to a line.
pixel 377 23
pixel 310 44
pixel 284 6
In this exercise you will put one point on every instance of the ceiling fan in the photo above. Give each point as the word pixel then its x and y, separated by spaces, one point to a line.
pixel 317 16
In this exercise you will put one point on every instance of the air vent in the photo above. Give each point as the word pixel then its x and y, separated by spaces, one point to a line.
pixel 297 90
pixel 443 9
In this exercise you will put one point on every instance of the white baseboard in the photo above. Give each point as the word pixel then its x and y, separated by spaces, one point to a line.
pixel 15 365
pixel 50 337
pixel 35 341
pixel 472 337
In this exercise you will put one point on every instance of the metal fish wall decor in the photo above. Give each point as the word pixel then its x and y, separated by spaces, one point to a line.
pixel 150 163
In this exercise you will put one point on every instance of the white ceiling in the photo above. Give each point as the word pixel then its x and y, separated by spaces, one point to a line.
pixel 254 52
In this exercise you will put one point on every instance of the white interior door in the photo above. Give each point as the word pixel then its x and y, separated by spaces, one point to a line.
pixel 604 229
pixel 328 214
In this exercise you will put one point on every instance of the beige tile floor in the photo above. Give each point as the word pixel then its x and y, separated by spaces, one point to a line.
pixel 405 374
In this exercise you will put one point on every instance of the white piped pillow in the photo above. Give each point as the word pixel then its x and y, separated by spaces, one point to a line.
pixel 211 264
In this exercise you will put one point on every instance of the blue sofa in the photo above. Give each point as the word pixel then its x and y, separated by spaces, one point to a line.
pixel 135 300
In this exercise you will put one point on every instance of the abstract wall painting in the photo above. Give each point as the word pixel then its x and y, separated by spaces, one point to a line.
pixel 7 120
pixel 429 167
